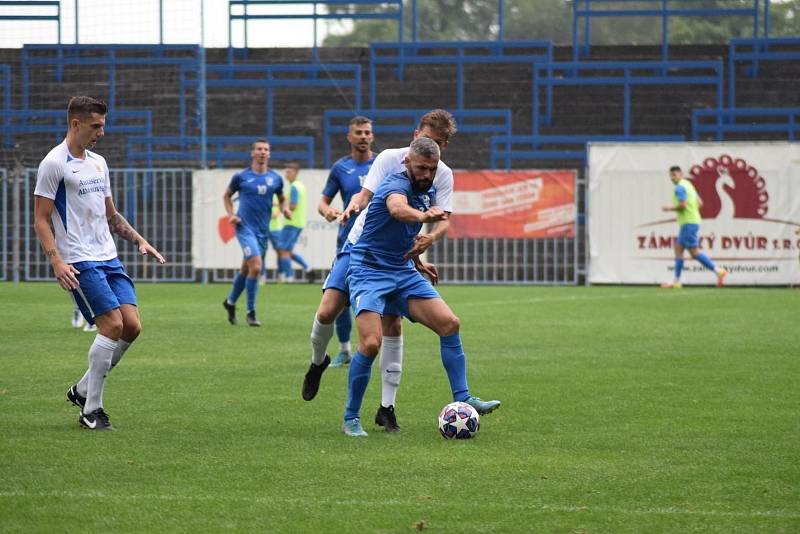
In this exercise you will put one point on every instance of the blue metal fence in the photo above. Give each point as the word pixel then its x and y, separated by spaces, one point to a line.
pixel 16 122
pixel 511 149
pixel 186 150
pixel 626 74
pixel 458 54
pixel 470 121
pixel 720 123
pixel 751 52
pixel 271 77
pixel 586 10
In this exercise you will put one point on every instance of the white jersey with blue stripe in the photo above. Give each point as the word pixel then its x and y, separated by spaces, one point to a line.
pixel 78 188
pixel 391 161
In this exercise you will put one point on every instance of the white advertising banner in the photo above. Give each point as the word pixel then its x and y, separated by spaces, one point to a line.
pixel 214 243
pixel 751 211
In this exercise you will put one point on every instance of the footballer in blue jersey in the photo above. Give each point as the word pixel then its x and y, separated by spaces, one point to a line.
pixel 256 186
pixel 438 125
pixel 381 273
pixel 345 179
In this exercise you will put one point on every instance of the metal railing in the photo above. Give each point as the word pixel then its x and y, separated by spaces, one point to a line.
pixel 158 203
pixel 586 10
pixel 458 54
pixel 751 52
pixel 719 124
pixel 470 121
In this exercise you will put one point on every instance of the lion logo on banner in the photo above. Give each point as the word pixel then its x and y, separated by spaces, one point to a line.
pixel 730 188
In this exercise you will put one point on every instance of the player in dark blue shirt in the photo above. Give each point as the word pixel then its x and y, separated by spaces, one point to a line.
pixel 345 179
pixel 380 273
pixel 256 186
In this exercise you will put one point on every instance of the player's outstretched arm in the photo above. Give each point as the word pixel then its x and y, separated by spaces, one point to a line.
pixel 328 212
pixel 65 273
pixel 357 203
pixel 118 225
pixel 398 207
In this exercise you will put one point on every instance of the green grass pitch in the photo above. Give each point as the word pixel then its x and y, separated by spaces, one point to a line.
pixel 624 410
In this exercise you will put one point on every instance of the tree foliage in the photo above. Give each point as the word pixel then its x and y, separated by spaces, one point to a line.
pixel 459 20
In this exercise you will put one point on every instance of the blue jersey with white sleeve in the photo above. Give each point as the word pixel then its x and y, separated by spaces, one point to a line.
pixel 385 239
pixel 346 178
pixel 255 196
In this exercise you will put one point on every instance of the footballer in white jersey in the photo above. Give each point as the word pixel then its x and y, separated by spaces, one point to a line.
pixel 73 194
pixel 78 188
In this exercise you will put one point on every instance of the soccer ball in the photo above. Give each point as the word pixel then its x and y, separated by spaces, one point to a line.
pixel 459 420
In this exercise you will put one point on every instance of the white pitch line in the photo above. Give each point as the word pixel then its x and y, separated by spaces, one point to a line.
pixel 538 508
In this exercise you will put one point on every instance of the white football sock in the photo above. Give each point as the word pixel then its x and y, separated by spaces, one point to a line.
pixel 321 334
pixel 119 352
pixel 344 346
pixel 122 346
pixel 100 354
pixel 391 368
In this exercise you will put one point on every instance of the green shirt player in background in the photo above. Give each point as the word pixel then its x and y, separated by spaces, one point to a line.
pixel 687 204
pixel 293 228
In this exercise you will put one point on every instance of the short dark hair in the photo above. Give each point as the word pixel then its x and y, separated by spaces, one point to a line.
pixel 359 119
pixel 292 165
pixel 259 140
pixel 675 168
pixel 440 120
pixel 84 106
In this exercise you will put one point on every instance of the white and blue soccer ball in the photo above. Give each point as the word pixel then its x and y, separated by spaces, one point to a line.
pixel 459 420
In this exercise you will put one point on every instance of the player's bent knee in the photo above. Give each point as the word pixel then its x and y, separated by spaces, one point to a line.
pixel 110 327
pixel 327 314
pixel 131 330
pixel 392 374
pixel 450 326
pixel 369 345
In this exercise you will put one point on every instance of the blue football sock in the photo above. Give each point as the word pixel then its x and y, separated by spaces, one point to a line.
pixel 455 363
pixel 238 287
pixel 286 266
pixel 357 380
pixel 299 260
pixel 344 325
pixel 252 288
pixel 706 261
pixel 678 268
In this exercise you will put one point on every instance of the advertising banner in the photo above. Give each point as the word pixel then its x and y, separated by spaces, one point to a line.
pixel 513 204
pixel 750 211
pixel 214 243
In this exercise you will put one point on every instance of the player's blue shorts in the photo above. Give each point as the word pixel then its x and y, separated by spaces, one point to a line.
pixel 274 237
pixel 386 292
pixel 253 243
pixel 337 278
pixel 289 236
pixel 104 285
pixel 688 236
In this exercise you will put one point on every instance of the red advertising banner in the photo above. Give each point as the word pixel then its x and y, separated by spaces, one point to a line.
pixel 513 204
